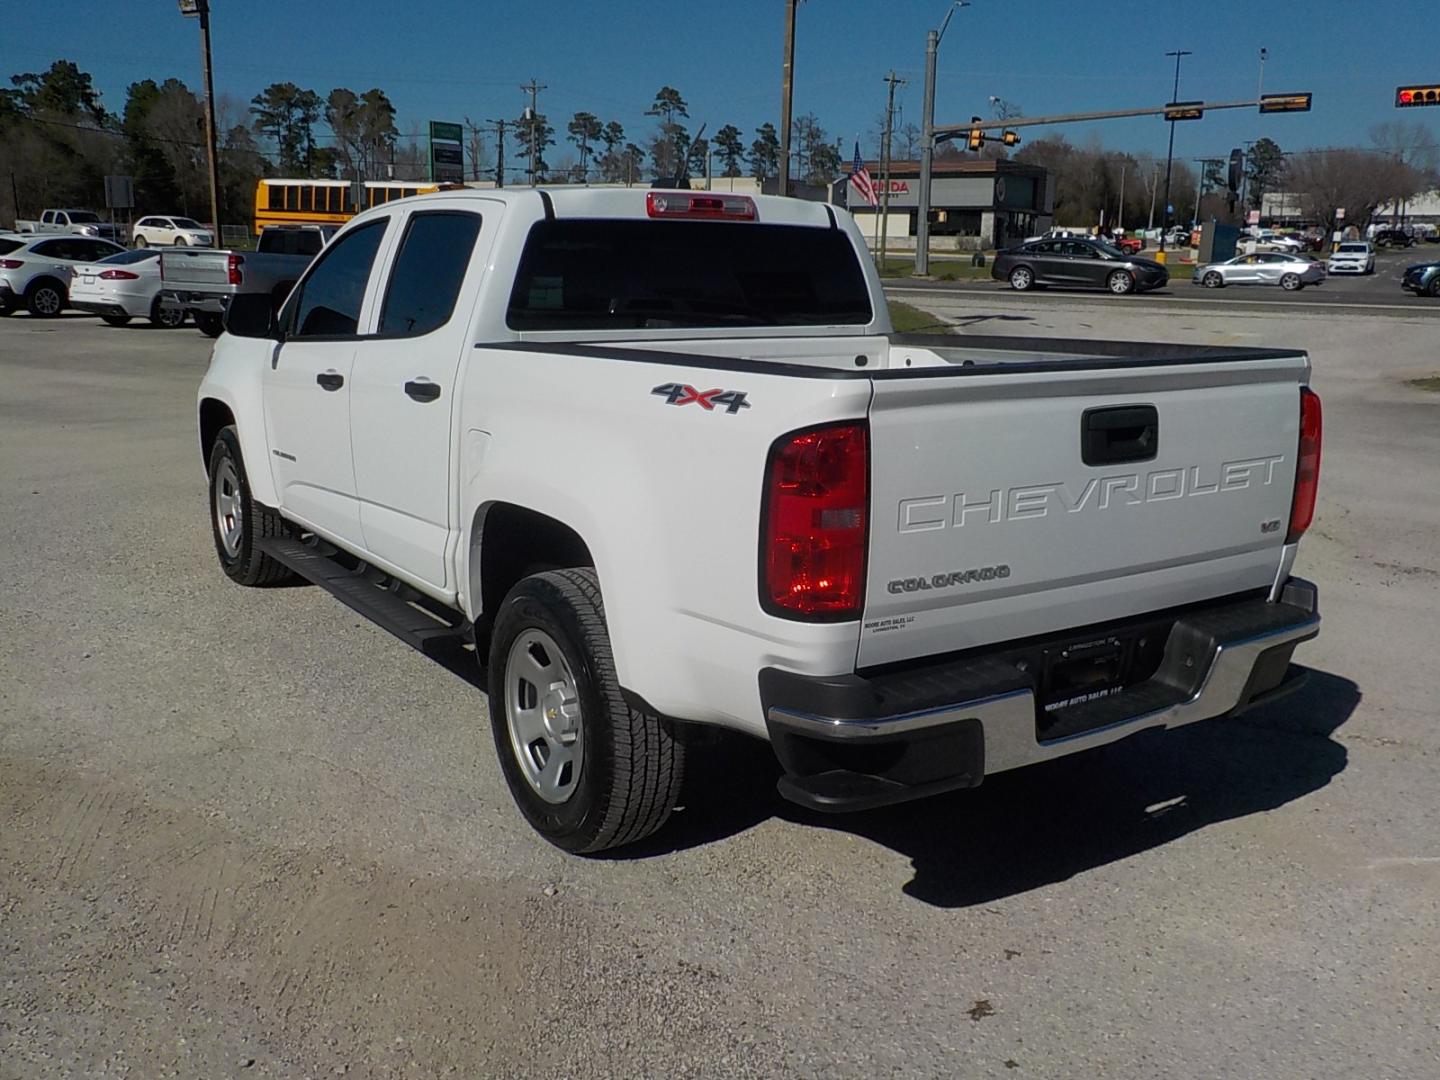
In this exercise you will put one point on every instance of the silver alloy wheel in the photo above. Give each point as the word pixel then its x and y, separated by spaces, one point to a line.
pixel 1120 283
pixel 1213 280
pixel 542 714
pixel 140 242
pixel 1290 282
pixel 1020 278
pixel 229 511
pixel 47 300
pixel 168 317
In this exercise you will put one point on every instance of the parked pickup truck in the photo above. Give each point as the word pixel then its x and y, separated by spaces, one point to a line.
pixel 657 460
pixel 78 222
pixel 204 282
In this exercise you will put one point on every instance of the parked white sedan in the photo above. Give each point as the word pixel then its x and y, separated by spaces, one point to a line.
pixel 1352 257
pixel 123 287
pixel 1290 272
pixel 156 231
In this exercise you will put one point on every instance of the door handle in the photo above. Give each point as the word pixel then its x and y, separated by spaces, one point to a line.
pixel 422 391
pixel 330 380
pixel 1117 434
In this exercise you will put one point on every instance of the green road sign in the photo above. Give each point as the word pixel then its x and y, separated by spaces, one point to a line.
pixel 446 132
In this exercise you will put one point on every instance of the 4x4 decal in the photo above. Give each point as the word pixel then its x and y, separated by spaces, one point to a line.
pixel 680 394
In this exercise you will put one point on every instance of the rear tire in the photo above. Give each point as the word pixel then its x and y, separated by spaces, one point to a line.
pixel 116 320
pixel 45 300
pixel 165 317
pixel 1291 283
pixel 141 242
pixel 238 522
pixel 1021 278
pixel 1120 283
pixel 625 764
pixel 209 324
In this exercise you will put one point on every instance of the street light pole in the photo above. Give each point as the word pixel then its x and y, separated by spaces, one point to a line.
pixel 927 142
pixel 1170 151
pixel 201 8
pixel 787 91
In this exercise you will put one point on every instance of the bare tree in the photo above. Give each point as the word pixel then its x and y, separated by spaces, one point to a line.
pixel 1353 180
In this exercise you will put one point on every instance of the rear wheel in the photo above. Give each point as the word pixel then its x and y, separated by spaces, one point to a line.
pixel 588 770
pixel 237 521
pixel 141 242
pixel 209 324
pixel 1213 280
pixel 1021 278
pixel 45 299
pixel 1120 283
pixel 116 320
pixel 1291 283
pixel 165 316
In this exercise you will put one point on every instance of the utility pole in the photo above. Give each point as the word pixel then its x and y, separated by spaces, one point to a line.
pixel 499 152
pixel 894 81
pixel 190 8
pixel 533 89
pixel 787 92
pixel 1120 210
pixel 1170 152
pixel 1260 88
pixel 927 142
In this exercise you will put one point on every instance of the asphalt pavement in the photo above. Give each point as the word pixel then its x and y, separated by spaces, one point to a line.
pixel 245 833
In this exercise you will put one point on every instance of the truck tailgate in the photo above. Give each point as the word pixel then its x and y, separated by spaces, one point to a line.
pixel 1010 503
pixel 195 269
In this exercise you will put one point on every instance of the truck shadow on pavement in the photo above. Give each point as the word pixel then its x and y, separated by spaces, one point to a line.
pixel 1036 826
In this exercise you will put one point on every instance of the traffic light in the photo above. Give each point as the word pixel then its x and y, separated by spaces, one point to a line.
pixel 1236 169
pixel 1184 110
pixel 976 138
pixel 1285 103
pixel 1010 138
pixel 1407 97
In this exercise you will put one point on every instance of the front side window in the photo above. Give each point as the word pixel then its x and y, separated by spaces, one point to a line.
pixel 591 274
pixel 428 272
pixel 327 302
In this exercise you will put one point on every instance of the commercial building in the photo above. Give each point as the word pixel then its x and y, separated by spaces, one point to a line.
pixel 975 205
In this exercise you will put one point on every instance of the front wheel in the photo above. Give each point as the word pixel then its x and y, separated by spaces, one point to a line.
pixel 116 320
pixel 209 324
pixel 1120 283
pixel 1433 289
pixel 237 521
pixel 179 241
pixel 1291 283
pixel 589 770
pixel 1213 280
pixel 1021 278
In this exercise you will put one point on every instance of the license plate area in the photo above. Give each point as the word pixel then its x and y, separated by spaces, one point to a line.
pixel 1088 669
pixel 88 279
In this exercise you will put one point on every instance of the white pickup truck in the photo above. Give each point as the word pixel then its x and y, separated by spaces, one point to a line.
pixel 657 460
pixel 73 222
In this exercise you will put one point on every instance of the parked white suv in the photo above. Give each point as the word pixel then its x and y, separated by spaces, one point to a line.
pixel 1352 257
pixel 657 461
pixel 35 270
pixel 156 231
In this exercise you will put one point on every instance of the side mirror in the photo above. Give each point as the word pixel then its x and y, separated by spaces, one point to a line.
pixel 252 315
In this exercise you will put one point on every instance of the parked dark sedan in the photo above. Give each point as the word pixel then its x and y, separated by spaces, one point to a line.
pixel 1423 279
pixel 1078 263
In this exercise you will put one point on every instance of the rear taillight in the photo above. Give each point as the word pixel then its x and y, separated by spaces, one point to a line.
pixel 685 204
pixel 11 264
pixel 118 275
pixel 232 269
pixel 1307 466
pixel 813 531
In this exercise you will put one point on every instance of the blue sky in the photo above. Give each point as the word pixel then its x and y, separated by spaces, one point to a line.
pixel 444 59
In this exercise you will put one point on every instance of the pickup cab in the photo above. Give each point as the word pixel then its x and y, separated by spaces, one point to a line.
pixel 204 282
pixel 76 222
pixel 657 462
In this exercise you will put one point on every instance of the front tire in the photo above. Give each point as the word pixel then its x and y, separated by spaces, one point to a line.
pixel 209 324
pixel 238 522
pixel 116 320
pixel 1291 283
pixel 179 241
pixel 1021 278
pixel 1213 280
pixel 588 770
pixel 1433 289
pixel 1120 283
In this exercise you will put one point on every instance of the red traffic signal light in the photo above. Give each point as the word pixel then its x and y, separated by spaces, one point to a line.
pixel 1407 97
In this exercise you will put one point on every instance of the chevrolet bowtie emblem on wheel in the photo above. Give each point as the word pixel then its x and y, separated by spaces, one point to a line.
pixel 680 394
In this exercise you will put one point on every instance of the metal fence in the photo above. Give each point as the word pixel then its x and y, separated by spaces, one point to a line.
pixel 235 236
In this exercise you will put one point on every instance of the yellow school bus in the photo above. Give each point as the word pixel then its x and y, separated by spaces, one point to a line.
pixel 324 202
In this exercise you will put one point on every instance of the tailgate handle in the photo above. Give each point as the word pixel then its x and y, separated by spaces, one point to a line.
pixel 1119 433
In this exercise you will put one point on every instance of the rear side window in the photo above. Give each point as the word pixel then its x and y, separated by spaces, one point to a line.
pixel 7 246
pixel 52 249
pixel 617 275
pixel 428 272
pixel 327 303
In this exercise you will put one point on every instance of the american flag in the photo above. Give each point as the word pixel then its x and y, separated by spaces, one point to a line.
pixel 860 178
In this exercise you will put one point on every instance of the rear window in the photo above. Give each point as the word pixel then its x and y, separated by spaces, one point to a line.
pixel 291 241
pixel 623 275
pixel 136 255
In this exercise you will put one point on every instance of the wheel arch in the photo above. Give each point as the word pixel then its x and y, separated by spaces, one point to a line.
pixel 42 279
pixel 508 542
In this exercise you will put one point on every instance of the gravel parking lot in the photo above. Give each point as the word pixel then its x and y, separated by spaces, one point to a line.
pixel 245 833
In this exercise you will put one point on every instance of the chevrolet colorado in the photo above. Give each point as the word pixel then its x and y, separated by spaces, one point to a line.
pixel 656 460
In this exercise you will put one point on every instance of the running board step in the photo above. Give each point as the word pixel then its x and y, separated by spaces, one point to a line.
pixel 379 598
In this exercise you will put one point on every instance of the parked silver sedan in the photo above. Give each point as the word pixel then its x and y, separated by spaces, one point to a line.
pixel 1290 272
